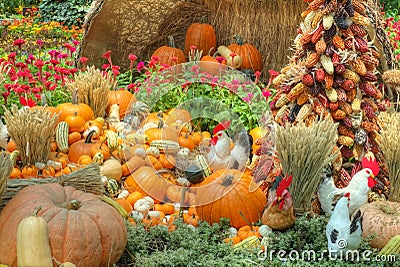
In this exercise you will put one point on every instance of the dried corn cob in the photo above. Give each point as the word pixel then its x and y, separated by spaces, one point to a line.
pixel 327 64
pixel 312 60
pixel 304 111
pixel 345 140
pixel 302 99
pixel 356 105
pixel 360 19
pixel 351 75
pixel 338 42
pixel 327 21
pixel 331 94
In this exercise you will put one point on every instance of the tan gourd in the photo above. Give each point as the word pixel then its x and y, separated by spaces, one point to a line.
pixel 112 168
pixel 33 248
pixel 226 53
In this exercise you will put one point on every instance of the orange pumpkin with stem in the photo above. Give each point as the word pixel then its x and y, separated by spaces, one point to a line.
pixel 80 109
pixel 29 171
pixel 227 194
pixel 251 57
pixel 75 123
pixel 121 97
pixel 81 147
pixel 16 173
pixel 247 231
pixel 202 36
pixel 186 140
pixel 170 55
pixel 162 132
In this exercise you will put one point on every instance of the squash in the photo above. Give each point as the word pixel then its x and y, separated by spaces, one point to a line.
pixel 226 53
pixel 251 57
pixel 33 248
pixel 112 168
pixel 227 194
pixel 81 147
pixel 121 97
pixel 170 55
pixel 82 229
pixel 202 36
pixel 132 165
pixel 381 220
pixel 62 133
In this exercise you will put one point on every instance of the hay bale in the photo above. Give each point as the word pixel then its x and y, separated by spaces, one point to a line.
pixel 139 27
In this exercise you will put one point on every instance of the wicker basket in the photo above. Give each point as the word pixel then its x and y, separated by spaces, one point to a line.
pixel 5 170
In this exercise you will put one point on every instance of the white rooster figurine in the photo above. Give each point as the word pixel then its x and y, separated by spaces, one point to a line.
pixel 359 187
pixel 342 233
pixel 221 156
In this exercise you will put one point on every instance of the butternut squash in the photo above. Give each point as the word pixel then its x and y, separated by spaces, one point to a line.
pixel 226 53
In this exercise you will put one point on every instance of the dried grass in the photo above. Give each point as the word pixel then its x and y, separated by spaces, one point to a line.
pixel 32 131
pixel 6 167
pixel 304 151
pixel 390 146
pixel 92 88
pixel 87 179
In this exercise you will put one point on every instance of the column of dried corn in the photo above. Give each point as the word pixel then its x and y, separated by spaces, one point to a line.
pixel 333 70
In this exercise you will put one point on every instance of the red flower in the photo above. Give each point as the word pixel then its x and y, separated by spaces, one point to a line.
pixel 107 55
pixel 27 102
pixel 19 43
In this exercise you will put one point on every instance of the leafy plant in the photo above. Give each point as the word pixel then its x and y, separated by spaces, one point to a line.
pixel 12 7
pixel 71 12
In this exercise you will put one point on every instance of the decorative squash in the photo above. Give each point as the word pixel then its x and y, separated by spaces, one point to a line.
pixel 79 225
pixel 170 55
pixel 186 140
pixel 29 171
pixel 81 147
pixel 225 194
pixel 134 196
pixel 381 220
pixel 152 161
pixel 75 123
pixel 162 132
pixel 111 168
pixel 80 109
pixel 33 248
pixel 167 161
pixel 202 36
pixel 247 231
pixel 16 173
pixel 148 183
pixel 232 59
pixel 121 97
pixel 251 57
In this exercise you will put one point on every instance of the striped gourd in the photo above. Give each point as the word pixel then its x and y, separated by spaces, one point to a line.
pixel 98 158
pixel 62 136
pixel 250 243
pixel 136 138
pixel 14 156
pixel 115 204
pixel 166 146
pixel 203 165
pixel 112 139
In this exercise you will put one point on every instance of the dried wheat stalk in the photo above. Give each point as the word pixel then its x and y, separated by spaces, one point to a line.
pixel 92 88
pixel 32 132
pixel 87 179
pixel 304 152
pixel 390 146
pixel 6 167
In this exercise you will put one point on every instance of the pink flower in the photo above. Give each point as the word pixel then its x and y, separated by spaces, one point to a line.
pixel 140 66
pixel 105 66
pixel 75 42
pixel 83 60
pixel 266 93
pixel 107 55
pixel 19 43
pixel 39 42
pixel 132 59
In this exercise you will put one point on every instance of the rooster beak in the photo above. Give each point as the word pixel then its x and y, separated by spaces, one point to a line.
pixel 279 199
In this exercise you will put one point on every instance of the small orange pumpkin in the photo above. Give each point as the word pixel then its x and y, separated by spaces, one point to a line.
pixel 152 161
pixel 247 231
pixel 75 123
pixel 250 55
pixel 29 171
pixel 167 161
pixel 134 196
pixel 121 97
pixel 170 55
pixel 16 173
pixel 186 140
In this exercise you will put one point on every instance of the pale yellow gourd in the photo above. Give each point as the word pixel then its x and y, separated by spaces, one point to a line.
pixel 112 168
pixel 33 248
pixel 226 53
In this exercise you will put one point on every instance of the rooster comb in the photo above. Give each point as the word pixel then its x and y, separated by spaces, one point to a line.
pixel 370 162
pixel 284 184
pixel 222 126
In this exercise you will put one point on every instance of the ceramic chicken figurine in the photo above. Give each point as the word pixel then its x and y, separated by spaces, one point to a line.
pixel 222 156
pixel 279 214
pixel 342 233
pixel 359 187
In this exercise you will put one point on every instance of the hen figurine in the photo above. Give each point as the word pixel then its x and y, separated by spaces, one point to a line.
pixel 279 214
pixel 221 156
pixel 359 187
pixel 342 233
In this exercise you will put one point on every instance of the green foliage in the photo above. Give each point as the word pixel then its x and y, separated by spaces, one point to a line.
pixel 12 7
pixel 204 246
pixel 391 6
pixel 71 12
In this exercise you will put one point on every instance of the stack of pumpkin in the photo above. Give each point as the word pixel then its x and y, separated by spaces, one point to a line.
pixel 201 44
pixel 333 70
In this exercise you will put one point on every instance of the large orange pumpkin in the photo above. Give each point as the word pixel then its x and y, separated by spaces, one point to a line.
pixel 170 55
pixel 381 219
pixel 82 229
pixel 121 97
pixel 148 182
pixel 201 35
pixel 227 194
pixel 75 108
pixel 162 132
pixel 250 55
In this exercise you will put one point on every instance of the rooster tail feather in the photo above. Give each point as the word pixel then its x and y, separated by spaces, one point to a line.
pixel 354 222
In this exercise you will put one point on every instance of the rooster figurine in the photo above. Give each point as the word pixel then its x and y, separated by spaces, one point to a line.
pixel 279 214
pixel 221 156
pixel 342 233
pixel 359 187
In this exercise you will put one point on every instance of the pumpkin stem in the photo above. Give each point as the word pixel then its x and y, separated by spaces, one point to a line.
pixel 73 204
pixel 160 124
pixel 88 139
pixel 246 220
pixel 238 40
pixel 228 180
pixel 171 41
pixel 36 211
